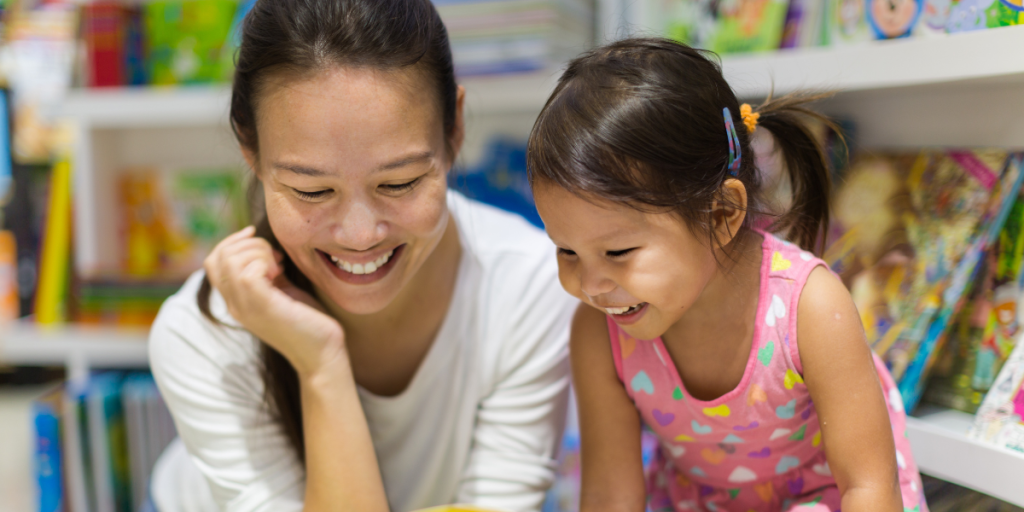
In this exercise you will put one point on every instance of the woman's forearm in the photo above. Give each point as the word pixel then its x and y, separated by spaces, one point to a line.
pixel 341 466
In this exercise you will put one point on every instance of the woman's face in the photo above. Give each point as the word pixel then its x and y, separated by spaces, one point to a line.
pixel 354 164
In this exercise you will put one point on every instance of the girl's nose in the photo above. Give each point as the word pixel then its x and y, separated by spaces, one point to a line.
pixel 359 228
pixel 593 283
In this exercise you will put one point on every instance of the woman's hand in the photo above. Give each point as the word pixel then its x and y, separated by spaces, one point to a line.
pixel 247 272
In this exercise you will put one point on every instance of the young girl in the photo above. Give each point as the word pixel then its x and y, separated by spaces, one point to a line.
pixel 739 349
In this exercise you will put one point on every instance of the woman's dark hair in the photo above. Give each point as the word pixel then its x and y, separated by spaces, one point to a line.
pixel 640 122
pixel 298 37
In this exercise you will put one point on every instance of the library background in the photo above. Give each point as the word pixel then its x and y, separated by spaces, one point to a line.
pixel 118 171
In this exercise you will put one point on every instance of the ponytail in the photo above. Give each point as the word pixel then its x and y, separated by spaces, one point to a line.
pixel 281 388
pixel 806 222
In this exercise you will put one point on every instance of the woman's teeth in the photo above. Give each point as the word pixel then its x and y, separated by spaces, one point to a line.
pixel 362 268
pixel 621 311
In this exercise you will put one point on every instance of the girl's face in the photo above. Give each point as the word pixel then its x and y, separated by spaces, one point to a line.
pixel 353 164
pixel 644 269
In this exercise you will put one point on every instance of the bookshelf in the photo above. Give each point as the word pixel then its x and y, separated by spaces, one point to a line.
pixel 79 348
pixel 943 450
pixel 961 89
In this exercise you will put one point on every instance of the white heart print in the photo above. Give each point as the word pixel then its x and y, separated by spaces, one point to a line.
pixel 776 309
pixel 676 450
pixel 822 469
pixel 742 475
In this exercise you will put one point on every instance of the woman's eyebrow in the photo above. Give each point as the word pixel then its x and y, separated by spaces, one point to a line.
pixel 406 160
pixel 401 162
pixel 299 169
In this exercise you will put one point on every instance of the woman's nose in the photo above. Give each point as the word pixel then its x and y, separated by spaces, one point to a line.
pixel 359 228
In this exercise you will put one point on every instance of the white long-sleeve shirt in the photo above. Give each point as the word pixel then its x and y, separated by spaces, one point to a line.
pixel 478 424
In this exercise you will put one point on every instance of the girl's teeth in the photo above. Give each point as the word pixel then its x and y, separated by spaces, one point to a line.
pixel 362 268
pixel 619 311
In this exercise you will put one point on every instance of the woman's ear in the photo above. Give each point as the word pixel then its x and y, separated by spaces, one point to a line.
pixel 459 130
pixel 728 211
pixel 250 159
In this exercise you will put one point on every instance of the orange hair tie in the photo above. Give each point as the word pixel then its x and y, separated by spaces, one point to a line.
pixel 749 117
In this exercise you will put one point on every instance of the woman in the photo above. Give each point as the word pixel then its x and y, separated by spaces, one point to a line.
pixel 376 342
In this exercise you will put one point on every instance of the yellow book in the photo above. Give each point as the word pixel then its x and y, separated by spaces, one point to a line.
pixel 55 257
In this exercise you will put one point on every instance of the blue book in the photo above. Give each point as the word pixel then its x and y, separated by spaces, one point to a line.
pixel 46 412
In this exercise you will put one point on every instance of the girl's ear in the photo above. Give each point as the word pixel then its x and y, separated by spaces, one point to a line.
pixel 728 211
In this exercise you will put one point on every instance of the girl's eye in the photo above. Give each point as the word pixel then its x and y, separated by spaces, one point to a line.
pixel 394 188
pixel 566 252
pixel 312 196
pixel 623 252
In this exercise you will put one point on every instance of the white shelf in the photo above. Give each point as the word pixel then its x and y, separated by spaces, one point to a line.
pixel 942 449
pixel 160 107
pixel 79 348
pixel 986 56
pixel 141 107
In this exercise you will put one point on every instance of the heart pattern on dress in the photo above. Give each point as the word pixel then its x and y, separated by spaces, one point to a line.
pixel 780 263
pixel 776 309
pixel 663 418
pixel 642 382
pixel 742 475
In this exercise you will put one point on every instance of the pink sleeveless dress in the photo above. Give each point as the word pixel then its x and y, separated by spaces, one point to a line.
pixel 759 446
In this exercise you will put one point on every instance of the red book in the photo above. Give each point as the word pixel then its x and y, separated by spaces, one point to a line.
pixel 104 32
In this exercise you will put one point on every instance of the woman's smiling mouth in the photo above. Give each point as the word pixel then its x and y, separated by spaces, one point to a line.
pixel 362 273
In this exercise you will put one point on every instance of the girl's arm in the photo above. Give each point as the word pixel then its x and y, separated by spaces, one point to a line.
pixel 609 423
pixel 840 375
pixel 341 467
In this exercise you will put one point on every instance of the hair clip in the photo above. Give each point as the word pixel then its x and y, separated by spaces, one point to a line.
pixel 735 154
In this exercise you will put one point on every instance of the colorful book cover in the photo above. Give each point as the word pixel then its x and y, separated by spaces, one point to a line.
pixel 970 15
pixel 907 236
pixel 846 22
pixel 108 443
pixel 171 220
pixel 892 19
pixel 77 461
pixel 749 26
pixel 185 40
pixel 46 414
pixel 986 330
pixel 1000 419
pixel 103 29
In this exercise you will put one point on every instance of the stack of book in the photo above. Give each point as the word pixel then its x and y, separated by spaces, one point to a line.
pixel 159 42
pixel 97 442
pixel 515 36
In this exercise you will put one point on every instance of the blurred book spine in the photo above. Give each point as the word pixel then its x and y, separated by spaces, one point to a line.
pixel 97 442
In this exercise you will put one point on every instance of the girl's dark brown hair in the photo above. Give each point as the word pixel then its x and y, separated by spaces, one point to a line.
pixel 640 122
pixel 297 37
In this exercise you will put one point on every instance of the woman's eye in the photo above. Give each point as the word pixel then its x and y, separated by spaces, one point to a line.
pixel 310 196
pixel 566 252
pixel 623 252
pixel 393 188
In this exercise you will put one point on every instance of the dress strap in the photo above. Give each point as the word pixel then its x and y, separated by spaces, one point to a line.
pixel 615 337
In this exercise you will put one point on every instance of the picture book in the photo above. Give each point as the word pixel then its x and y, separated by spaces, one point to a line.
pixel 891 19
pixel 1000 419
pixel 748 26
pixel 846 22
pixel 907 236
pixel 185 40
pixel 986 330
pixel 969 15
pixel 170 220
pixel 108 443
